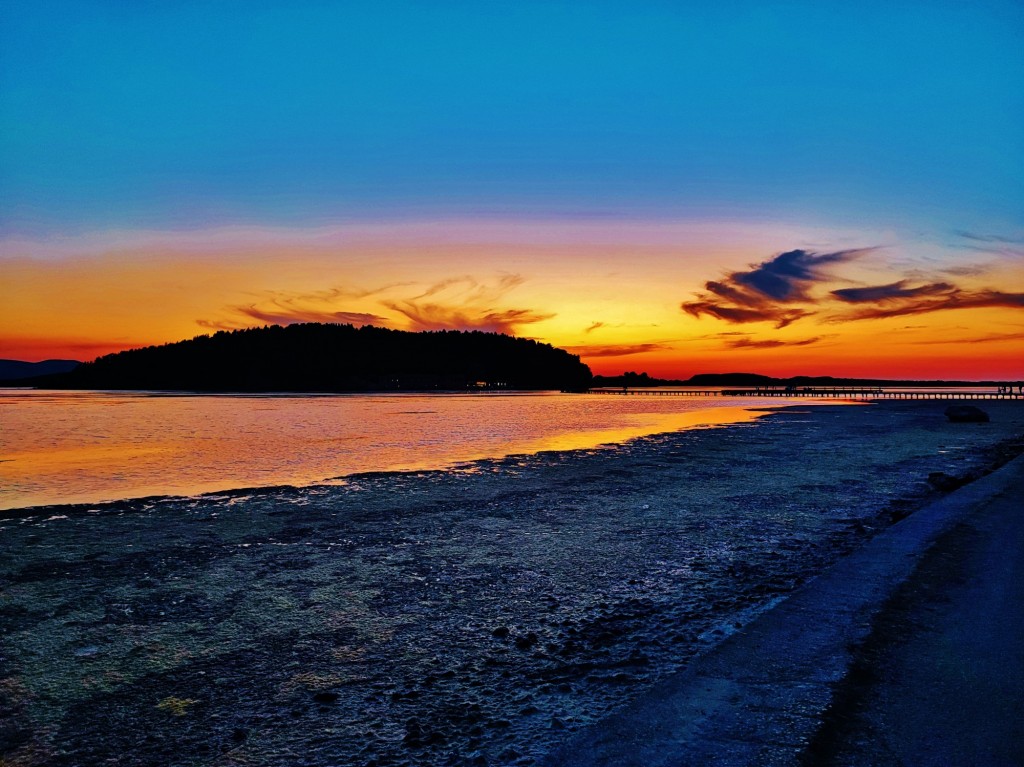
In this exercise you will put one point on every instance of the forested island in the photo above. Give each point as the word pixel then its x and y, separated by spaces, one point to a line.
pixel 315 357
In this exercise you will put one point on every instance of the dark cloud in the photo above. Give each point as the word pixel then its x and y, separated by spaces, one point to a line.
pixel 766 292
pixel 293 315
pixel 894 291
pixel 956 299
pixel 615 350
pixel 781 317
pixel 786 277
pixel 594 327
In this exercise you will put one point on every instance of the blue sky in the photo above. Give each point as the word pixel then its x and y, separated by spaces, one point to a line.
pixel 178 114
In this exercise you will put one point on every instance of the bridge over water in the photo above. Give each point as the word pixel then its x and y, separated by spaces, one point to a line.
pixel 828 392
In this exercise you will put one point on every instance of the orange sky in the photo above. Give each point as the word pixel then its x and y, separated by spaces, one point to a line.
pixel 669 298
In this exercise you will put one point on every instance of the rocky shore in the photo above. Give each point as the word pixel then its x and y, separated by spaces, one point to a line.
pixel 477 616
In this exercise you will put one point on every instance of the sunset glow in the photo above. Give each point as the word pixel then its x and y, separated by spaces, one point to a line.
pixel 603 180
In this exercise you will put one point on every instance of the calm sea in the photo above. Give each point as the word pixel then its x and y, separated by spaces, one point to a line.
pixel 86 447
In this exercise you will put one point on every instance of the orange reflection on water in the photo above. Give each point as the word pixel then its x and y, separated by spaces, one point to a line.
pixel 642 425
pixel 85 447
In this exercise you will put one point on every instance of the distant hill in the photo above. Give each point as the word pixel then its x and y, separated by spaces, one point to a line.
pixel 13 370
pixel 634 380
pixel 753 379
pixel 333 358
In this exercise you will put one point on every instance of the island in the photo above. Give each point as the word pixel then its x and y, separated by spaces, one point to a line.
pixel 324 357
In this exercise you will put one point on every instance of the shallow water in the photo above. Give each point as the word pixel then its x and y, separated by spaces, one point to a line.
pixel 86 447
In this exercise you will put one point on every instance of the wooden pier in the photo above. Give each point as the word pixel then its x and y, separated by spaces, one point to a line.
pixel 839 392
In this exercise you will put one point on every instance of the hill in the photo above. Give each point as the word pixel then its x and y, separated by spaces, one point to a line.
pixel 13 370
pixel 333 358
pixel 753 379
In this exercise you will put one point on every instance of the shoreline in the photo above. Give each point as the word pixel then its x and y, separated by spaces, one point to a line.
pixel 440 618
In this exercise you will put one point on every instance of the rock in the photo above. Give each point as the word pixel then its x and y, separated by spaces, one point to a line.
pixel 325 696
pixel 501 632
pixel 966 414
pixel 526 642
pixel 943 482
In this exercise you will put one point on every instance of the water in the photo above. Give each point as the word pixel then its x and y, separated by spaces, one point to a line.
pixel 87 447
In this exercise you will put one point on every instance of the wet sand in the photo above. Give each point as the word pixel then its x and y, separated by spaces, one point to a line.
pixel 479 616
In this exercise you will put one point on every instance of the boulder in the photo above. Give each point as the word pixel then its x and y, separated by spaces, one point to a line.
pixel 966 414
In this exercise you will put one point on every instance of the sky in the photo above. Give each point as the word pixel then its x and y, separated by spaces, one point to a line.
pixel 785 188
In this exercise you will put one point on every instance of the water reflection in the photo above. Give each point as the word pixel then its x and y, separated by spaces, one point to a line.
pixel 83 447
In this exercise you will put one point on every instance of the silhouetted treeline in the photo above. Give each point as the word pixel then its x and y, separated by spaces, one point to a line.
pixel 633 379
pixel 333 358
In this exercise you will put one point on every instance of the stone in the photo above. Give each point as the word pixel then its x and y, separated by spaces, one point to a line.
pixel 966 414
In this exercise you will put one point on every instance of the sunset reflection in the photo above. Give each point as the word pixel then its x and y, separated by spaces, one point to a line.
pixel 107 446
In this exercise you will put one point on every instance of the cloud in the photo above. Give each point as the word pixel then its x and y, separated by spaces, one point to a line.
pixel 615 350
pixel 779 290
pixel 440 317
pixel 769 343
pixel 781 317
pixel 894 291
pixel 967 270
pixel 455 303
pixel 786 277
pixel 465 303
pixel 954 299
pixel 767 291
pixel 292 316
pixel 974 236
pixel 281 308
pixel 991 338
pixel 594 327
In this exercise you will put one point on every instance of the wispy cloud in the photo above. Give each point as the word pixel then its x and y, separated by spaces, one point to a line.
pixel 616 350
pixel 976 237
pixel 768 343
pixel 967 270
pixel 985 339
pixel 594 326
pixel 285 308
pixel 439 317
pixel 292 316
pixel 465 303
pixel 771 290
pixel 954 299
pixel 456 303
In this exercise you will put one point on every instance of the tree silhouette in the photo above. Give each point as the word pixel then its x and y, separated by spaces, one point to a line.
pixel 334 358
